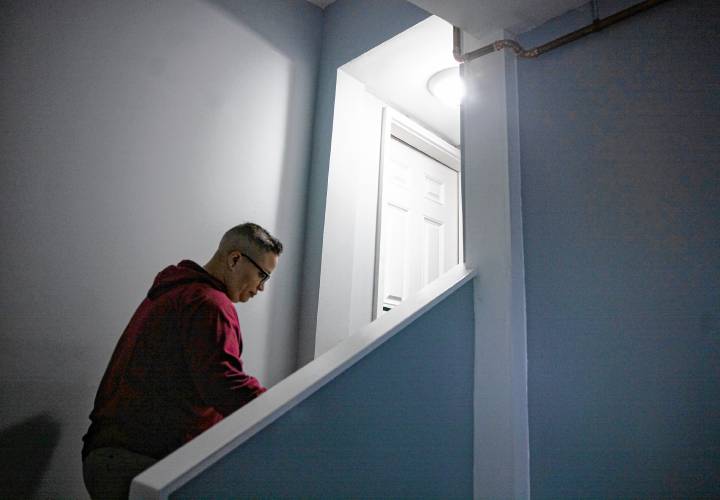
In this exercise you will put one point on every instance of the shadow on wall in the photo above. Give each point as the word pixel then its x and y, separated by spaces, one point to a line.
pixel 27 448
pixel 307 19
pixel 280 339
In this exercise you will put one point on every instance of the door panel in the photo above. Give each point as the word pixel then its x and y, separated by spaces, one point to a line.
pixel 434 190
pixel 395 271
pixel 422 243
pixel 433 249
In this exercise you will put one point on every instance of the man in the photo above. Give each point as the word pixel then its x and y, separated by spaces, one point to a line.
pixel 176 370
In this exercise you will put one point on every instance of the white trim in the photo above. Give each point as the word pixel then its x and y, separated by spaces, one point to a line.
pixel 518 328
pixel 423 140
pixel 461 216
pixel 169 474
pixel 385 135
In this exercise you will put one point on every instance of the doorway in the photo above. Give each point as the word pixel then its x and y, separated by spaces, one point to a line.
pixel 419 219
pixel 383 107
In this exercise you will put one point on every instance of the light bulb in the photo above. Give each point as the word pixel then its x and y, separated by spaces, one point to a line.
pixel 447 86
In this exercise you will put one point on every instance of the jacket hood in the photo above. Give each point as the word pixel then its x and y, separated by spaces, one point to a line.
pixel 184 273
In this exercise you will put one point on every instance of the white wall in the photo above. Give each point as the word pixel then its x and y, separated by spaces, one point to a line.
pixel 346 273
pixel 133 134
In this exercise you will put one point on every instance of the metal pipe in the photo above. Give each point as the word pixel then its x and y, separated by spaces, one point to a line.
pixel 457 48
pixel 596 25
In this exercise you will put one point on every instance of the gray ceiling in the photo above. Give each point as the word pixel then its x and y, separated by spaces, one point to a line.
pixel 479 17
pixel 321 3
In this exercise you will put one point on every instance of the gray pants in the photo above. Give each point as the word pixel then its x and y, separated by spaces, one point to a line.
pixel 107 472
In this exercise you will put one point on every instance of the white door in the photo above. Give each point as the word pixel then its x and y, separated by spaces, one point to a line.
pixel 419 222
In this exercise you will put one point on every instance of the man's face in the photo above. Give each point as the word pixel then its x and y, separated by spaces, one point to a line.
pixel 248 272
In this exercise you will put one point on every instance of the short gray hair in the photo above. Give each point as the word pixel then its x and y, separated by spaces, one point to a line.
pixel 239 237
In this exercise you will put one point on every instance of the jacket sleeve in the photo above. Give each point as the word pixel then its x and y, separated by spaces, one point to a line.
pixel 212 346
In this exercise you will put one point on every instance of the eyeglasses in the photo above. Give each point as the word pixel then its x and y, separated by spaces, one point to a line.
pixel 265 274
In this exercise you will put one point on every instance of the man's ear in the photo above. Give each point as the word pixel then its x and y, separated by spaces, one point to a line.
pixel 234 258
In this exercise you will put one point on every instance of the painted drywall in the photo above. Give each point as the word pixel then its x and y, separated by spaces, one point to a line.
pixel 397 424
pixel 134 134
pixel 621 211
pixel 350 28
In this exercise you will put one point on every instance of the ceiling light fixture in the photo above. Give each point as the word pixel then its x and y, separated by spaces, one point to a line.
pixel 447 86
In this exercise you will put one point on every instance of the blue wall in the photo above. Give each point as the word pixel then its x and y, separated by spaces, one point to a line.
pixel 351 28
pixel 621 205
pixel 397 424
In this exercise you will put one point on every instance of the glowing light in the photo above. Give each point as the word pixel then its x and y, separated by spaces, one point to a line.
pixel 447 86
